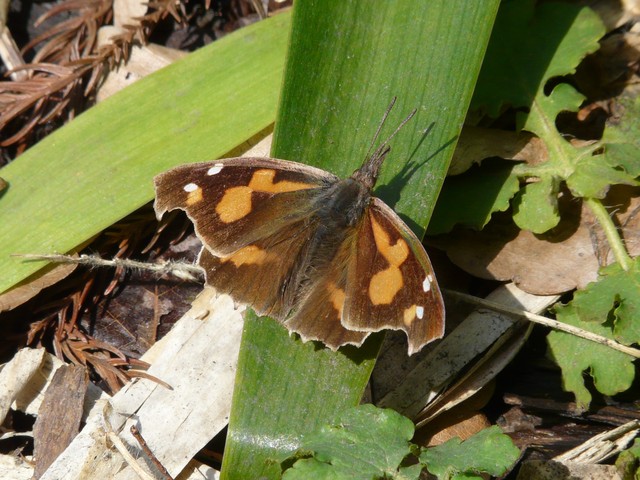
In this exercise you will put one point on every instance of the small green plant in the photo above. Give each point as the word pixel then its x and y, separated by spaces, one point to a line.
pixel 374 443
pixel 532 48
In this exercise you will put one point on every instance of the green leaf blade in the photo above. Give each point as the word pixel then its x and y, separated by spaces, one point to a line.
pixel 347 61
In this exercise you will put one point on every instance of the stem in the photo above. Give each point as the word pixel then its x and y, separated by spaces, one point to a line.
pixel 615 241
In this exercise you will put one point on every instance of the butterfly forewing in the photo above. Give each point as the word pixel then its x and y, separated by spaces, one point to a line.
pixel 391 282
pixel 235 202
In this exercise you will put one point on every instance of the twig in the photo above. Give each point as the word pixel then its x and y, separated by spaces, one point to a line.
pixel 602 446
pixel 181 270
pixel 578 332
pixel 143 444
pixel 122 448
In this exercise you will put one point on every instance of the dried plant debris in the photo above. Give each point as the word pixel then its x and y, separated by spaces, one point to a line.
pixel 68 61
pixel 59 416
pixel 90 319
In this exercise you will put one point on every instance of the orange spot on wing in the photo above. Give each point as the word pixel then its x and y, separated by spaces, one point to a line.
pixel 409 315
pixel 262 181
pixel 194 197
pixel 386 284
pixel 249 255
pixel 234 204
pixel 337 297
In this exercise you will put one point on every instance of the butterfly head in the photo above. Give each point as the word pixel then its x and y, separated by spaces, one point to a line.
pixel 367 174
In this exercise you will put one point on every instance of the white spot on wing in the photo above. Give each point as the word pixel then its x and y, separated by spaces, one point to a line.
pixel 190 187
pixel 420 312
pixel 216 169
pixel 426 285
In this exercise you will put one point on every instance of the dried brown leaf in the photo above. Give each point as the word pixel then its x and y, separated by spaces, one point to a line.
pixel 26 291
pixel 561 260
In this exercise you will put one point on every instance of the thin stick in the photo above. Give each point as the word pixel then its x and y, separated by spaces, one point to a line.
pixel 122 448
pixel 143 444
pixel 183 271
pixel 532 317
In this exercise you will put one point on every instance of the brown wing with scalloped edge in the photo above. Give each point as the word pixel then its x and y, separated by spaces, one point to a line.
pixel 390 281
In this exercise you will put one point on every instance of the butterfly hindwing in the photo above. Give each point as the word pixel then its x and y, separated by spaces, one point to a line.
pixel 391 282
pixel 319 307
pixel 262 273
pixel 234 202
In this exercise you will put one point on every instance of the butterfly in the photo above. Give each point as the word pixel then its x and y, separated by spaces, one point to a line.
pixel 318 253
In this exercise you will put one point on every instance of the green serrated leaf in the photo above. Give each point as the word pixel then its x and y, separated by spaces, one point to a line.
pixel 615 295
pixel 612 371
pixel 544 110
pixel 532 44
pixel 470 199
pixel 594 174
pixel 625 155
pixel 536 206
pixel 529 45
pixel 366 442
pixel 488 451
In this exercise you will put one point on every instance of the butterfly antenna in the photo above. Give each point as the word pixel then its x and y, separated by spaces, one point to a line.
pixel 385 144
pixel 384 119
pixel 368 172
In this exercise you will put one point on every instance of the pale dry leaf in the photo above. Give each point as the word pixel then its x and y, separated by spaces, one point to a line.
pixel 16 375
pixel 129 12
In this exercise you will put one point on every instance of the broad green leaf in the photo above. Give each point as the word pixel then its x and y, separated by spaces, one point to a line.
pixel 612 371
pixel 100 167
pixel 616 296
pixel 536 206
pixel 488 451
pixel 346 61
pixel 594 174
pixel 531 43
pixel 365 442
pixel 470 199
